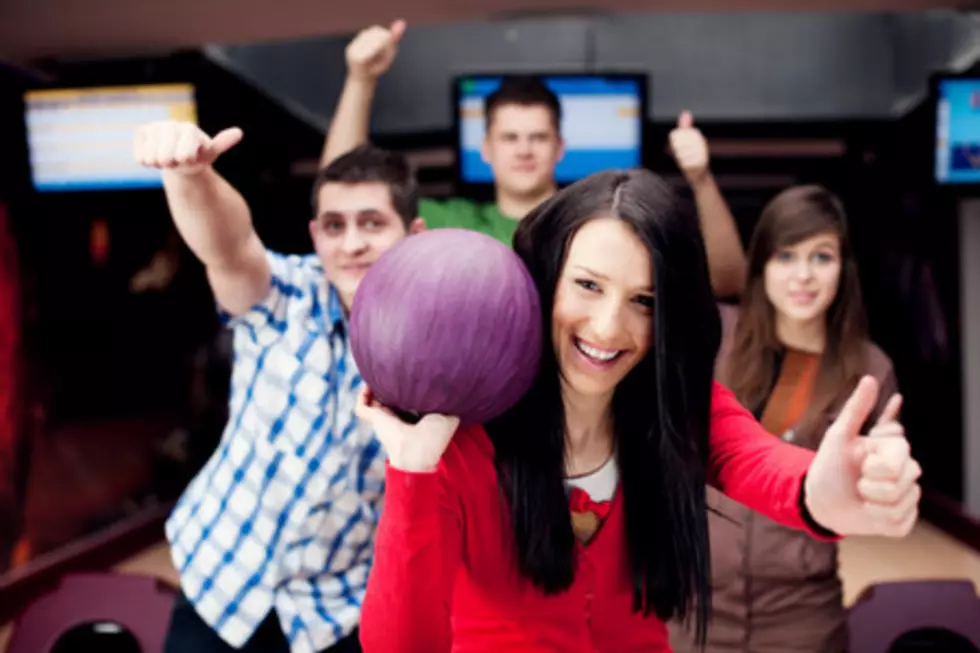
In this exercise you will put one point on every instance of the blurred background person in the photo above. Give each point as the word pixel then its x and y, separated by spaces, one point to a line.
pixel 793 351
pixel 523 145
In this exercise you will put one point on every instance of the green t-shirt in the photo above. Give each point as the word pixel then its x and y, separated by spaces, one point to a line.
pixel 461 213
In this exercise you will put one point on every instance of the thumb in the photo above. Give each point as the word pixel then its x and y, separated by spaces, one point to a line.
pixel 397 30
pixel 225 140
pixel 685 120
pixel 856 410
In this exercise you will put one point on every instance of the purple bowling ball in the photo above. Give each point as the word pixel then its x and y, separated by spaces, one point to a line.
pixel 447 321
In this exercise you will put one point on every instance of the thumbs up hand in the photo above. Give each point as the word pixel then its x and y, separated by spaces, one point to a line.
pixel 689 148
pixel 181 147
pixel 373 50
pixel 864 485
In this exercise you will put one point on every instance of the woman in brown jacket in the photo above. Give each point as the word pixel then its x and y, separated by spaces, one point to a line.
pixel 792 353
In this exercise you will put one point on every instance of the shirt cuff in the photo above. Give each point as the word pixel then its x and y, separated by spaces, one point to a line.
pixel 811 523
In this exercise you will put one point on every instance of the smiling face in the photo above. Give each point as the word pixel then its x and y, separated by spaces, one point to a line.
pixel 602 317
pixel 356 224
pixel 801 280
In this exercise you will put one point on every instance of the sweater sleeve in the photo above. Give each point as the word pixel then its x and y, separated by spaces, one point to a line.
pixel 755 468
pixel 416 556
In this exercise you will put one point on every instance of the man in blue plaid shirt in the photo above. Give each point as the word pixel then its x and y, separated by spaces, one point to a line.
pixel 274 537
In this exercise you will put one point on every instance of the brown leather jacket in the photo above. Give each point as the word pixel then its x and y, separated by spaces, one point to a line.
pixel 776 590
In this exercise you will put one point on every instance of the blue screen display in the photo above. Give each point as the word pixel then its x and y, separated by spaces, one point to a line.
pixel 958 132
pixel 82 139
pixel 602 124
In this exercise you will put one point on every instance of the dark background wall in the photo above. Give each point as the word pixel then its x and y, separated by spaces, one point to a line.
pixel 724 67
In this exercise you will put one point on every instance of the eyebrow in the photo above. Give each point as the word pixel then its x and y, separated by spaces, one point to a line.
pixel 514 132
pixel 592 272
pixel 826 244
pixel 360 213
pixel 603 277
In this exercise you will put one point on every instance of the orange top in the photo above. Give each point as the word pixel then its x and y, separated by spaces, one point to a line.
pixel 792 392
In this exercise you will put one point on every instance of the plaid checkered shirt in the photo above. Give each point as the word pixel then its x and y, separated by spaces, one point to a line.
pixel 284 513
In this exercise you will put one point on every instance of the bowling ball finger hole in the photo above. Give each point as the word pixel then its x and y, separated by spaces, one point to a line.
pixel 407 416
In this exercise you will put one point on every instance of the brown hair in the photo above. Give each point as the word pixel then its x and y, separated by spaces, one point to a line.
pixel 523 90
pixel 794 215
pixel 368 164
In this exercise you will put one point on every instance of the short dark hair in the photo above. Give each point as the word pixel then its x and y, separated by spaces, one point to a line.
pixel 525 90
pixel 368 164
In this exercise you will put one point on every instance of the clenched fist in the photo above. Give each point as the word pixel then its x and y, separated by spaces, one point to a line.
pixel 373 50
pixel 181 147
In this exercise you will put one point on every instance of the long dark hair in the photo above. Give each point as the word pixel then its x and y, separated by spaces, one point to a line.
pixel 661 409
pixel 798 213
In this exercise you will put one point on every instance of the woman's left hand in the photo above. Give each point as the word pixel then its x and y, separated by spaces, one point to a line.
pixel 865 485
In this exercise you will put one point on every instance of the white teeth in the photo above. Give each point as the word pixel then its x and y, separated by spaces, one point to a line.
pixel 598 354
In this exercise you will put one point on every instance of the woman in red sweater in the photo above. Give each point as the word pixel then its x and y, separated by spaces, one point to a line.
pixel 577 521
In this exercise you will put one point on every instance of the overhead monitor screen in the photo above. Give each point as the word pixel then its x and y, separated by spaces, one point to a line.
pixel 82 139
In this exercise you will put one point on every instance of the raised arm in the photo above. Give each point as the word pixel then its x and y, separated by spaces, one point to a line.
pixel 726 256
pixel 209 214
pixel 369 56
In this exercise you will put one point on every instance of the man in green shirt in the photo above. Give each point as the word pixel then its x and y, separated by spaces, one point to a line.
pixel 523 145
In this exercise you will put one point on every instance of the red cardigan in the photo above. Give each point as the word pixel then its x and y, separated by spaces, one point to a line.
pixel 445 575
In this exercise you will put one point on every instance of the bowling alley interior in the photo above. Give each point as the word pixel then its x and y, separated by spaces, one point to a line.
pixel 116 369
